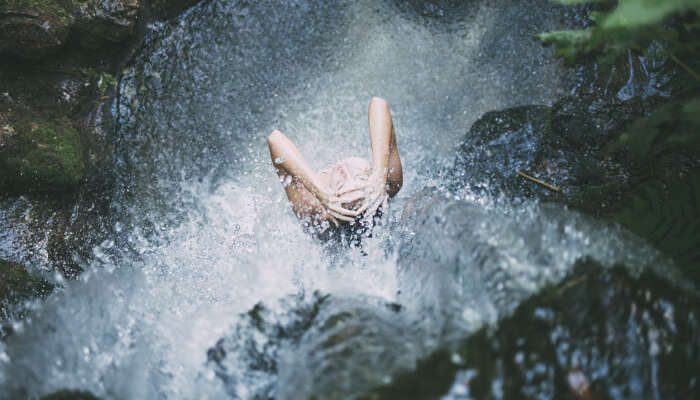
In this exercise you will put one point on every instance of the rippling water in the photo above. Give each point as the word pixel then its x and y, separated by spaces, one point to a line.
pixel 205 231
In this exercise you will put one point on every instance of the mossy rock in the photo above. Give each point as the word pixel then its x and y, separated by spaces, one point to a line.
pixel 42 156
pixel 33 28
pixel 17 285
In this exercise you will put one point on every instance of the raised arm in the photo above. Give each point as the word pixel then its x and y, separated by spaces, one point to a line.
pixel 385 155
pixel 304 188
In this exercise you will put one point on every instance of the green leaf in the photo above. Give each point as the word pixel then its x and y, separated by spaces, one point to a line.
pixel 667 214
pixel 635 14
pixel 573 2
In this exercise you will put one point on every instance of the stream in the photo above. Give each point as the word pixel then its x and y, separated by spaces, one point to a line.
pixel 204 232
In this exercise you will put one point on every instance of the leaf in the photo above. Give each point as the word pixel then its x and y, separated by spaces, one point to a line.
pixel 635 14
pixel 671 126
pixel 667 214
pixel 574 2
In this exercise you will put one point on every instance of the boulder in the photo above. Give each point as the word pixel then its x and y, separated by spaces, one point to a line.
pixel 17 286
pixel 70 395
pixel 40 156
pixel 34 28
pixel 600 333
pixel 170 8
pixel 560 145
pixel 330 348
pixel 98 20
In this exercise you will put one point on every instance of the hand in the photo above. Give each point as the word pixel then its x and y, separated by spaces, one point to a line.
pixel 374 195
pixel 334 205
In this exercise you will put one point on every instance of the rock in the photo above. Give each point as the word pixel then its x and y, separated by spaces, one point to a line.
pixel 331 348
pixel 36 28
pixel 600 333
pixel 560 145
pixel 99 20
pixel 40 156
pixel 70 395
pixel 170 8
pixel 17 285
pixel 33 28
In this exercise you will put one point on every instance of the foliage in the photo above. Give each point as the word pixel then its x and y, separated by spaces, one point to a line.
pixel 634 25
pixel 663 206
pixel 667 213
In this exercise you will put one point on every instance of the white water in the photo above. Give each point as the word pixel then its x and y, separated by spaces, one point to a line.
pixel 205 231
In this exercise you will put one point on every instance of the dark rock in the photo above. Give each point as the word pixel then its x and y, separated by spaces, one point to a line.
pixel 33 28
pixel 601 333
pixel 331 348
pixel 70 395
pixel 17 285
pixel 170 8
pixel 560 145
pixel 112 21
pixel 40 156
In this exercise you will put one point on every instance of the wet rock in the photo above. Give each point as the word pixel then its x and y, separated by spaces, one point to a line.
pixel 99 20
pixel 33 28
pixel 601 333
pixel 559 145
pixel 331 348
pixel 170 8
pixel 36 28
pixel 41 156
pixel 562 145
pixel 70 395
pixel 17 285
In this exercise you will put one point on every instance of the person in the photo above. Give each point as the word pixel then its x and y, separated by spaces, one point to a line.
pixel 350 190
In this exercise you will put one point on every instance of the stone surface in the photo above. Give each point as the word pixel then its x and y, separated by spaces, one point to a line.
pixel 17 285
pixel 34 28
pixel 330 348
pixel 601 333
pixel 99 20
pixel 170 8
pixel 70 395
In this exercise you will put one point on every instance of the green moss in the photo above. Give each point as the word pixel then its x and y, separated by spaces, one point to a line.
pixel 47 158
pixel 48 8
pixel 17 285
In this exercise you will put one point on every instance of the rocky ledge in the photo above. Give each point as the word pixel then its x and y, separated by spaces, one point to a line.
pixel 59 65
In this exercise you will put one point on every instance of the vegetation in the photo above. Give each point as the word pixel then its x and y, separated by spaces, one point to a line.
pixel 635 25
pixel 51 158
pixel 17 285
pixel 664 201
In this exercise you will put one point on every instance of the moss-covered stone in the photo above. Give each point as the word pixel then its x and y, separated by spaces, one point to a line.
pixel 41 156
pixel 17 285
pixel 33 28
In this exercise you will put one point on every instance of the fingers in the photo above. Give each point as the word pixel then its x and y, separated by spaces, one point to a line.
pixel 340 216
pixel 351 196
pixel 372 209
pixel 350 190
pixel 385 204
pixel 342 211
pixel 364 207
pixel 333 220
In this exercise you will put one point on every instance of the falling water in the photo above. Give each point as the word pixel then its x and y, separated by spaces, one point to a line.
pixel 204 230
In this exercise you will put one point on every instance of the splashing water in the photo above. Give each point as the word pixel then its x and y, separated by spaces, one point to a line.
pixel 205 231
